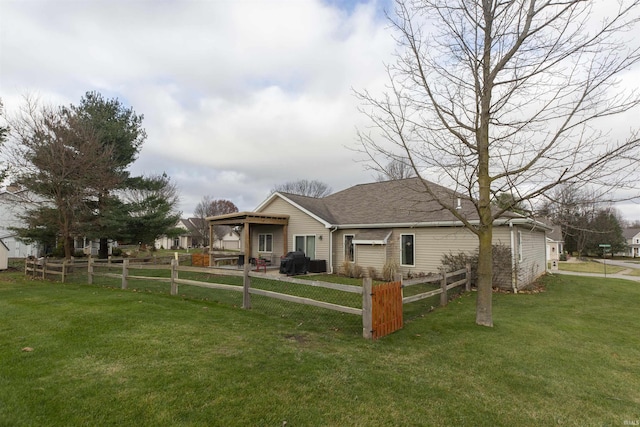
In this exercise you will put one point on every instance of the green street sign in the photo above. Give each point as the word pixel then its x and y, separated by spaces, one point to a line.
pixel 604 246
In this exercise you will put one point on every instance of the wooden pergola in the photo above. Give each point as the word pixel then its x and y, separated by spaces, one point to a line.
pixel 246 220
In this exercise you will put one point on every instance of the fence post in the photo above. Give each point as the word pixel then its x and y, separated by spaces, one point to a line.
pixel 90 271
pixel 108 259
pixel 125 273
pixel 398 278
pixel 64 268
pixel 26 265
pixel 174 276
pixel 467 286
pixel 443 287
pixel 44 267
pixel 367 312
pixel 246 285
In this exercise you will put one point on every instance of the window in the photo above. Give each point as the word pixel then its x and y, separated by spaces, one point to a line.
pixel 519 246
pixel 265 242
pixel 349 250
pixel 407 250
pixel 306 244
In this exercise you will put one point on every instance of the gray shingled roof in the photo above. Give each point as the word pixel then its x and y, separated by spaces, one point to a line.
pixel 389 202
pixel 628 233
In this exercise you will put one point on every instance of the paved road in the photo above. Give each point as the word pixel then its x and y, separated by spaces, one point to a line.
pixel 609 276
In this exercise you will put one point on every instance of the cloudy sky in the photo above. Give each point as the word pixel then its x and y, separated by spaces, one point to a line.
pixel 237 96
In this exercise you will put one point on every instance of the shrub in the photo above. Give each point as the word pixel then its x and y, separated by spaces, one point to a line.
pixel 502 268
pixel 372 272
pixel 116 251
pixel 563 257
pixel 345 268
pixel 349 269
pixel 390 269
pixel 79 253
pixel 356 271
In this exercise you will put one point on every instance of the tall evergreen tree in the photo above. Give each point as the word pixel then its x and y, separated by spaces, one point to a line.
pixel 119 130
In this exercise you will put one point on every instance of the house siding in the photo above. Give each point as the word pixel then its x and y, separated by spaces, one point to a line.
pixel 533 263
pixel 4 256
pixel 300 223
pixel 371 256
pixel 430 245
pixel 11 207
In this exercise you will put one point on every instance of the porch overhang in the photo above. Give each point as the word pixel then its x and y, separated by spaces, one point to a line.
pixel 246 220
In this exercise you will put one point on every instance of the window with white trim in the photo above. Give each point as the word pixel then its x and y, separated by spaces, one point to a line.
pixel 349 247
pixel 519 246
pixel 265 242
pixel 407 249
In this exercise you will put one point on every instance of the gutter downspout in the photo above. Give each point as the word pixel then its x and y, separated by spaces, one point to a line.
pixel 331 231
pixel 514 276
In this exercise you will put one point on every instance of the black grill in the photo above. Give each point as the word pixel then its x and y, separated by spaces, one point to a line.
pixel 294 263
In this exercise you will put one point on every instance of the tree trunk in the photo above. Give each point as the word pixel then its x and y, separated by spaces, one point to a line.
pixel 484 316
pixel 103 252
pixel 68 247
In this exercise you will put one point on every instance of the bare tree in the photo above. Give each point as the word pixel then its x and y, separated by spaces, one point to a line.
pixel 60 160
pixel 493 97
pixel 304 187
pixel 399 168
pixel 207 207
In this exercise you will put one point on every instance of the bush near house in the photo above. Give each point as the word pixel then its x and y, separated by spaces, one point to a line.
pixel 502 267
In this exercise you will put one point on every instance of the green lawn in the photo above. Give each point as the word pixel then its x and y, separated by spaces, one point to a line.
pixel 103 356
pixel 589 267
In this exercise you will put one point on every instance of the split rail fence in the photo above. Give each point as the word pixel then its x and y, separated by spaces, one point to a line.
pixel 380 305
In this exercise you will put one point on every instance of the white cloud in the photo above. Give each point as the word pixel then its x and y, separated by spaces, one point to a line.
pixel 238 96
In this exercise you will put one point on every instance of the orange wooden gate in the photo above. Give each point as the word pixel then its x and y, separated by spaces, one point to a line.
pixel 386 308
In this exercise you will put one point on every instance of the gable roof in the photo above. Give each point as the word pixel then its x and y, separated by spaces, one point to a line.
pixel 630 233
pixel 385 203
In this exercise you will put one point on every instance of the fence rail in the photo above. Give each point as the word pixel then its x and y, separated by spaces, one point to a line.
pixel 379 309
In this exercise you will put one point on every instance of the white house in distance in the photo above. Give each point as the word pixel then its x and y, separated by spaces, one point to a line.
pixel 225 237
pixel 4 256
pixel 376 224
pixel 555 243
pixel 13 202
pixel 632 236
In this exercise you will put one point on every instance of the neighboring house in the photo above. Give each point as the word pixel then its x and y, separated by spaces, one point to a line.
pixel 190 237
pixel 224 238
pixel 382 223
pixel 4 256
pixel 632 236
pixel 555 243
pixel 13 203
pixel 229 239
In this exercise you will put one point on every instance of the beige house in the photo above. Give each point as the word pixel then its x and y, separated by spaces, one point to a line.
pixel 378 223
